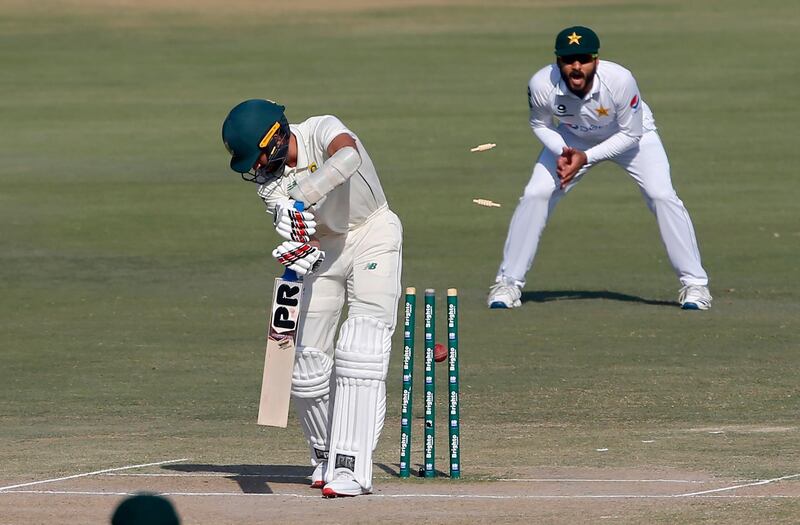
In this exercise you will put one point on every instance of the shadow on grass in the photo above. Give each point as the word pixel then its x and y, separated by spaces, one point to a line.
pixel 546 296
pixel 252 479
pixel 394 470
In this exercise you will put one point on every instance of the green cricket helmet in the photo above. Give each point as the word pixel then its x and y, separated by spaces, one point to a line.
pixel 145 508
pixel 254 127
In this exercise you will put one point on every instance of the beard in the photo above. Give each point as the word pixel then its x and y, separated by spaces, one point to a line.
pixel 578 75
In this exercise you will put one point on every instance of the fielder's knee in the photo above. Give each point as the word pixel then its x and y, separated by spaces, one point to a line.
pixel 537 193
pixel 662 196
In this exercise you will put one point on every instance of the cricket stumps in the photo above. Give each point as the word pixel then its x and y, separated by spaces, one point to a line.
pixel 428 469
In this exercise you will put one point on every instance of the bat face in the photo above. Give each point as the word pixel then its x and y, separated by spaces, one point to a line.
pixel 276 384
pixel 285 311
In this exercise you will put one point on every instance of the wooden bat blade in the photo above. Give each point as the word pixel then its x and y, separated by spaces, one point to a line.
pixel 276 383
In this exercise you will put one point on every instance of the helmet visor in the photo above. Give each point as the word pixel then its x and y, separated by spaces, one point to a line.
pixel 275 145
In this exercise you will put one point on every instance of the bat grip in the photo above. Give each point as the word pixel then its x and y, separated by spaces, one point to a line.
pixel 288 274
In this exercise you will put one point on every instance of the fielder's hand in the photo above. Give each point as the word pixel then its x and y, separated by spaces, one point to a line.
pixel 291 224
pixel 568 165
pixel 300 257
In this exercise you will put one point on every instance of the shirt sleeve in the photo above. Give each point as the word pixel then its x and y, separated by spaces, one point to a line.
pixel 329 128
pixel 628 108
pixel 541 118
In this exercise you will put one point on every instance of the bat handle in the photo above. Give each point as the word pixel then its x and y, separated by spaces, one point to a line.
pixel 291 275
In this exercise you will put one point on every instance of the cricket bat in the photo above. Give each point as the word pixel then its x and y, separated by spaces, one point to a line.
pixel 276 383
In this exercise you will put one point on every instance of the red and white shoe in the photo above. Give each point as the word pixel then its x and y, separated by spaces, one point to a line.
pixel 343 485
pixel 318 476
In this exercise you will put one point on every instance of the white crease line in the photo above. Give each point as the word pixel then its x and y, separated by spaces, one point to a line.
pixel 579 480
pixel 300 476
pixel 70 492
pixel 207 475
pixel 202 494
pixel 92 473
pixel 518 480
pixel 404 496
pixel 734 487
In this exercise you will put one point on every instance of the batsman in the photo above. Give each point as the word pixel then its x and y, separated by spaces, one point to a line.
pixel 347 244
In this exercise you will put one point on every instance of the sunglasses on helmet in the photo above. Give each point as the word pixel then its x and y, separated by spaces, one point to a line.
pixel 583 58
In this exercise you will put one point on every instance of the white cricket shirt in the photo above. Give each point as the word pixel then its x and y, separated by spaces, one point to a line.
pixel 612 116
pixel 347 205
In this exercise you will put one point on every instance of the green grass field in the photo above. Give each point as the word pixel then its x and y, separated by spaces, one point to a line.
pixel 135 267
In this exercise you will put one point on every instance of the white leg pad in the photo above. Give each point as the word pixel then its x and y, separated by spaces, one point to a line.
pixel 359 408
pixel 311 381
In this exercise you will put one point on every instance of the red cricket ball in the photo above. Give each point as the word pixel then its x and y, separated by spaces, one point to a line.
pixel 439 352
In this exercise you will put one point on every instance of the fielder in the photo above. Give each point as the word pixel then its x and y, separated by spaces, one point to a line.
pixel 348 245
pixel 586 110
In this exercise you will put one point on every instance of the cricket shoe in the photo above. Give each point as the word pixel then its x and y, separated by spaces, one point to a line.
pixel 318 476
pixel 505 293
pixel 344 484
pixel 695 297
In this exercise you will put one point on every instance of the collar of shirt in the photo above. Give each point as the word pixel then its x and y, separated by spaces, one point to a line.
pixel 302 156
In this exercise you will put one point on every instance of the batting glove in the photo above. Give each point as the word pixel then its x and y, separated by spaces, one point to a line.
pixel 300 257
pixel 291 224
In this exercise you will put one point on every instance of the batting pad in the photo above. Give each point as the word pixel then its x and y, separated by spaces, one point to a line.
pixel 311 379
pixel 359 408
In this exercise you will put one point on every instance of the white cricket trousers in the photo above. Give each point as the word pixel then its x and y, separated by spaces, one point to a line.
pixel 648 165
pixel 362 266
